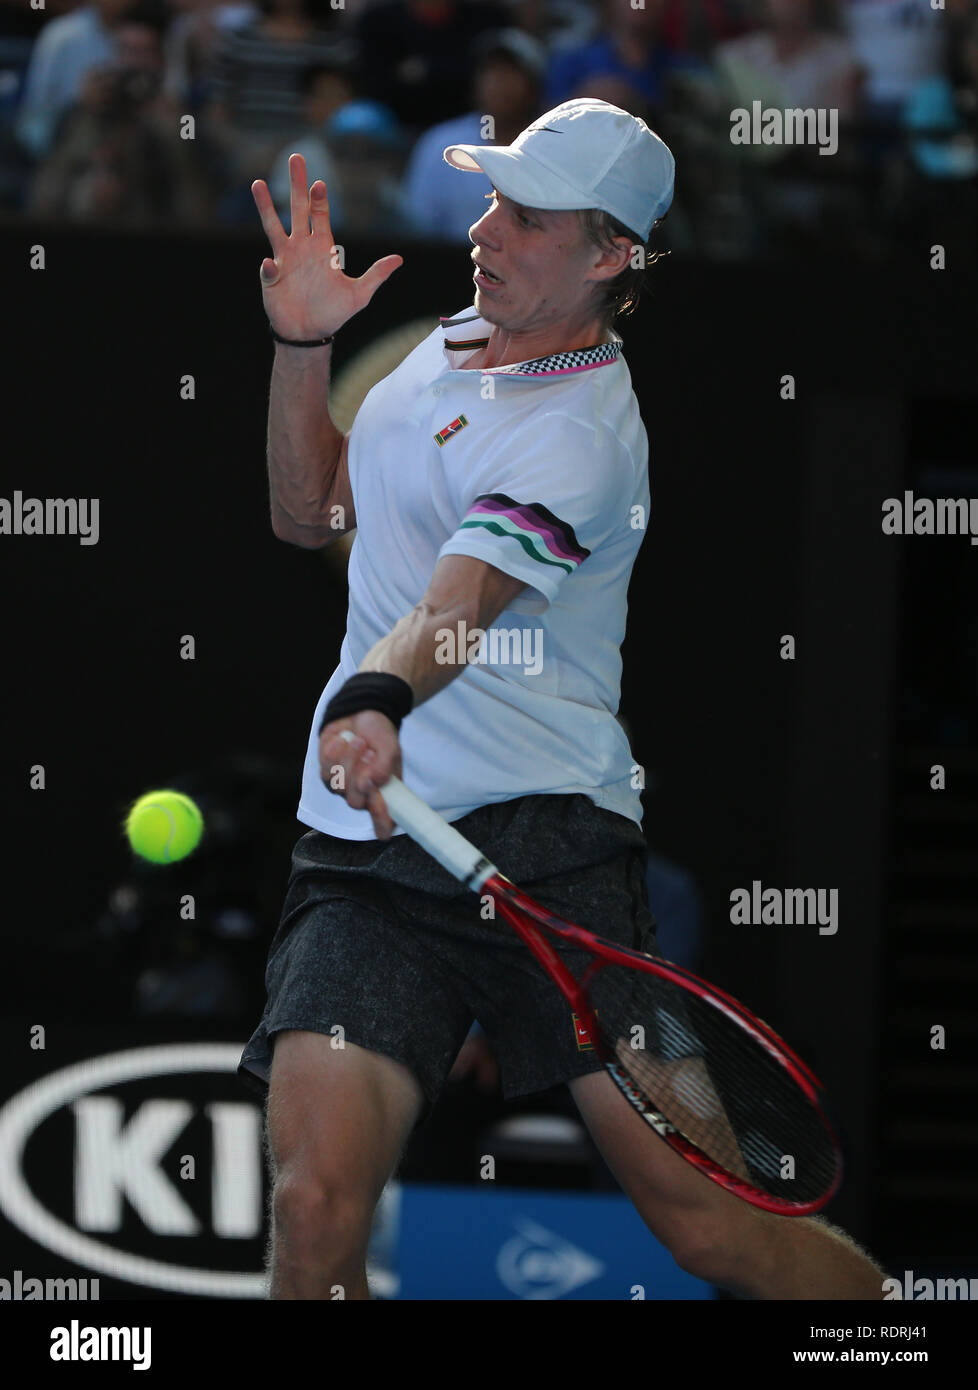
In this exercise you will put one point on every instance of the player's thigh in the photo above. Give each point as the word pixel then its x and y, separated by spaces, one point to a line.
pixel 680 1205
pixel 338 1117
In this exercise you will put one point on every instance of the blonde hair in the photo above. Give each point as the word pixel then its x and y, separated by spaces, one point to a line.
pixel 620 295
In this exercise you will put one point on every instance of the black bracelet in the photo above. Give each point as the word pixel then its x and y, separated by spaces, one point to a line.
pixel 301 342
pixel 371 690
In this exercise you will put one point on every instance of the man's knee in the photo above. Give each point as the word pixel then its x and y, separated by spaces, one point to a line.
pixel 335 1127
pixel 319 1212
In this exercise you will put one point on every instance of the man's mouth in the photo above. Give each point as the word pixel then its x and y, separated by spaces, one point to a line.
pixel 483 273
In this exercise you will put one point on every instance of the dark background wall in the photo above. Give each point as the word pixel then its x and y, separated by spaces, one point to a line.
pixel 765 522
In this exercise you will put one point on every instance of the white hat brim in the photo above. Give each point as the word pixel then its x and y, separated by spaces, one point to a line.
pixel 519 176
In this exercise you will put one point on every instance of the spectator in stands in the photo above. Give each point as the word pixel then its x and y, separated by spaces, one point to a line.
pixel 557 24
pixel 325 91
pixel 370 147
pixel 191 40
pixel 356 146
pixel 697 26
pixel 506 97
pixel 419 54
pixel 631 49
pixel 118 156
pixel 899 43
pixel 257 99
pixel 797 60
pixel 794 60
pixel 944 110
pixel 66 50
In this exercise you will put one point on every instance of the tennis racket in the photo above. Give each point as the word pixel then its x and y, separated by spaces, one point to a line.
pixel 717 1084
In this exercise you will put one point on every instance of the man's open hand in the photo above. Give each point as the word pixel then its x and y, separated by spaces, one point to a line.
pixel 305 292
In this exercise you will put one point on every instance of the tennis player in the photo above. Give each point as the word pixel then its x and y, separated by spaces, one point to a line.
pixel 498 484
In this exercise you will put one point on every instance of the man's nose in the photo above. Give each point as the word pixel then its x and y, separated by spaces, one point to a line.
pixel 485 231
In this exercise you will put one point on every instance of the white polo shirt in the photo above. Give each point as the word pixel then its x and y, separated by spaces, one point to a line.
pixel 541 469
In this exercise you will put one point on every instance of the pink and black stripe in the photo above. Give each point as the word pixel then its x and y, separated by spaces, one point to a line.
pixel 544 537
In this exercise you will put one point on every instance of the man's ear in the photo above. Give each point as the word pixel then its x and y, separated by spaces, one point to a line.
pixel 612 263
pixel 627 246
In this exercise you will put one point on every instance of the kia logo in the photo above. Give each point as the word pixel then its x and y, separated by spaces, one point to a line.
pixel 118 1160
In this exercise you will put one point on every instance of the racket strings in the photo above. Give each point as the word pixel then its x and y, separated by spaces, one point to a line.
pixel 713 1081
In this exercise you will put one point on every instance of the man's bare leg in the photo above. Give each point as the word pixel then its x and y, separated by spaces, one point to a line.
pixel 709 1232
pixel 338 1120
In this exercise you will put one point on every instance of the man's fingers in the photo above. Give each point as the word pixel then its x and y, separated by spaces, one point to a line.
pixel 299 194
pixel 380 815
pixel 349 768
pixel 371 280
pixel 269 217
pixel 354 769
pixel 319 210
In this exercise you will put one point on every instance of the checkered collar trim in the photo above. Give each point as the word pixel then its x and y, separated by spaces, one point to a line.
pixel 556 364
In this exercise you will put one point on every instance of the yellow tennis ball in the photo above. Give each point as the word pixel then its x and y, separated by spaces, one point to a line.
pixel 164 826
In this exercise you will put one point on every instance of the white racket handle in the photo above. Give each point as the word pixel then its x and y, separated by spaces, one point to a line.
pixel 433 832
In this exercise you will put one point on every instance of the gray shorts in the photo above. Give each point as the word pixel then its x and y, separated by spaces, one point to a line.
pixel 377 938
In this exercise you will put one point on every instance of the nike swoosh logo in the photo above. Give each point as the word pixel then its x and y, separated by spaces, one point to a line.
pixel 552 129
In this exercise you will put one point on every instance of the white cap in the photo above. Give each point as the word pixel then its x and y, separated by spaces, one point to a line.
pixel 583 154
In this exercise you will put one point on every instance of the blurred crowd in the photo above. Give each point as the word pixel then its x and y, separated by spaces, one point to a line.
pixel 161 113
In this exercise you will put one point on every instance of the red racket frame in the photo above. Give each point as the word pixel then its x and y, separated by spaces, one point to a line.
pixel 515 906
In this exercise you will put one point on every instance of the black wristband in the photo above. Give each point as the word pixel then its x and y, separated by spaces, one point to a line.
pixel 371 690
pixel 301 342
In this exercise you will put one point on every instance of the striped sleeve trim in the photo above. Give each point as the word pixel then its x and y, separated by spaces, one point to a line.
pixel 543 536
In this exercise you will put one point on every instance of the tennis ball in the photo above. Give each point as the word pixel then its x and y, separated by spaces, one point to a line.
pixel 164 826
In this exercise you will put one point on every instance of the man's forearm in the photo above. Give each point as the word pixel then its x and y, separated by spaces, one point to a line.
pixel 304 448
pixel 414 650
pixel 432 645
